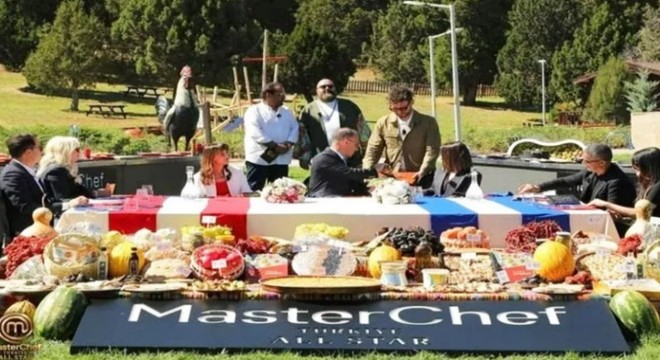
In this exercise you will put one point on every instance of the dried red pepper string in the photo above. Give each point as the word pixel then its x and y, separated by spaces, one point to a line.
pixel 21 249
pixel 523 238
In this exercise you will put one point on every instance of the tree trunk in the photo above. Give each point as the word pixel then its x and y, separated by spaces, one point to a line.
pixel 470 95
pixel 74 99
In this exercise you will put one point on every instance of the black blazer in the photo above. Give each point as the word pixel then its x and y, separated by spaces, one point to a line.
pixel 457 186
pixel 22 194
pixel 330 176
pixel 613 186
pixel 60 185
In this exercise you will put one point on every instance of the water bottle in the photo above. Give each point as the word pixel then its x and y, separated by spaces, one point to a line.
pixel 74 130
pixel 474 192
pixel 189 190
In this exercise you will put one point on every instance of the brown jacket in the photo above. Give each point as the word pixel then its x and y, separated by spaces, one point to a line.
pixel 420 148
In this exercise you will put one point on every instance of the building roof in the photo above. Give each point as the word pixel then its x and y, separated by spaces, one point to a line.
pixel 634 66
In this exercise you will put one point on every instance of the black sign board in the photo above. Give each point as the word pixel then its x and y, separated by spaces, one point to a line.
pixel 464 326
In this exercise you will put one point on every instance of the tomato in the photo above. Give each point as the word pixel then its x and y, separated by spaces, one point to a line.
pixel 233 260
pixel 206 261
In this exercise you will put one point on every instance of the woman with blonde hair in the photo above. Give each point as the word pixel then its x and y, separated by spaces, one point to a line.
pixel 58 173
pixel 217 177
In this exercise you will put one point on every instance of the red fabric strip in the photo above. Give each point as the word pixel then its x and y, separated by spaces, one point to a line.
pixel 229 211
pixel 131 219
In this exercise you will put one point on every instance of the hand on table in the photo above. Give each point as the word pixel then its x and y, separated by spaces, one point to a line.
pixel 383 169
pixel 80 200
pixel 528 189
pixel 599 203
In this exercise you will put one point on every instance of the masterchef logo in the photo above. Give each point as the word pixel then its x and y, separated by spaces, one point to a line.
pixel 15 328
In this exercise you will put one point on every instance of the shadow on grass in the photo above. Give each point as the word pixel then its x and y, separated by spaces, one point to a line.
pixel 96 95
pixel 495 105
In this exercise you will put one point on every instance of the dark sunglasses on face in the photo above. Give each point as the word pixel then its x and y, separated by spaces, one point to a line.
pixel 326 86
pixel 400 108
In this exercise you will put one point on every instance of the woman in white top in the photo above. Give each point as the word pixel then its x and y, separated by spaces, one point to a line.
pixel 216 177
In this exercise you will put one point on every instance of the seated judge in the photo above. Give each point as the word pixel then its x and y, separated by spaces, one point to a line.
pixel 19 183
pixel 58 172
pixel 330 174
pixel 646 164
pixel 217 177
pixel 454 178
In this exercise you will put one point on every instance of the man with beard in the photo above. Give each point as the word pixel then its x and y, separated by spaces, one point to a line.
pixel 271 130
pixel 323 117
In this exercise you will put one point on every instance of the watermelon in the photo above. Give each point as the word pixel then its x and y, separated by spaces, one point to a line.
pixel 635 314
pixel 59 313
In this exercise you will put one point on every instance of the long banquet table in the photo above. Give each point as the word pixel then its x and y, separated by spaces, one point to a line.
pixel 362 216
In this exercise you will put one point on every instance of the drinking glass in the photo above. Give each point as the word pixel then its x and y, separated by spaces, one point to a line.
pixel 149 189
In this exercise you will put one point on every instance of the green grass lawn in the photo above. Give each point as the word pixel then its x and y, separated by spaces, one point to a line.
pixel 52 350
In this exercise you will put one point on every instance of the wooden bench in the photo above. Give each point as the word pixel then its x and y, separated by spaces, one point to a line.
pixel 533 122
pixel 107 110
pixel 141 91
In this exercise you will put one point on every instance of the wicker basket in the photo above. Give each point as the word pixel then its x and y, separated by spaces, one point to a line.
pixel 205 274
pixel 64 270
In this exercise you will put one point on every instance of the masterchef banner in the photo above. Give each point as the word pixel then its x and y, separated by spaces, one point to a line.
pixel 465 326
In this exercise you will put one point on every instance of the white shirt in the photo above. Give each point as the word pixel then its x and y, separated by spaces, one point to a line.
pixel 330 117
pixel 32 172
pixel 237 185
pixel 404 129
pixel 263 125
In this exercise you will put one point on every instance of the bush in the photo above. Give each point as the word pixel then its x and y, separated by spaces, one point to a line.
pixel 606 102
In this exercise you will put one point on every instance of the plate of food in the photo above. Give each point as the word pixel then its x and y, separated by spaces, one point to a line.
pixel 326 285
pixel 99 289
pixel 34 290
pixel 216 287
pixel 154 288
pixel 559 289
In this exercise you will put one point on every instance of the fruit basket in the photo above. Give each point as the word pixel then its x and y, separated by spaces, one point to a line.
pixel 217 262
pixel 468 237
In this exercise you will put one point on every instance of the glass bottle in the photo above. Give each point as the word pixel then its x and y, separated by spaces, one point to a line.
pixel 102 264
pixel 474 191
pixel 189 191
pixel 134 263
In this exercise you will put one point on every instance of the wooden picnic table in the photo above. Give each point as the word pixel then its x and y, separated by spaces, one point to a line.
pixel 107 110
pixel 141 91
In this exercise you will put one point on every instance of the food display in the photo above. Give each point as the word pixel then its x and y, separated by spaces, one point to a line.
pixel 21 249
pixel 603 265
pixel 193 237
pixel 390 191
pixel 407 240
pixel 469 267
pixel 321 285
pixel 313 230
pixel 382 253
pixel 324 260
pixel 216 261
pixel 482 287
pixel 219 286
pixel 467 237
pixel 523 238
pixel 59 313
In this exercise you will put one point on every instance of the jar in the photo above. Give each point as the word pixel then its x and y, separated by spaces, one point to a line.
pixel 393 273
pixel 564 238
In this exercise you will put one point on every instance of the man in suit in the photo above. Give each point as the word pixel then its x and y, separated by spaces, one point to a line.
pixel 601 179
pixel 409 139
pixel 330 173
pixel 19 183
pixel 323 117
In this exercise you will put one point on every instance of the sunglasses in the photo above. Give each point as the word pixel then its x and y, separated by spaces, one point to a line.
pixel 400 108
pixel 326 86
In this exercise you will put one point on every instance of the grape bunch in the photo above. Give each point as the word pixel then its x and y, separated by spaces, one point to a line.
pixel 407 240
pixel 332 260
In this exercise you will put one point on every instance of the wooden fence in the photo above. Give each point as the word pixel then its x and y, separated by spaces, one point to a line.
pixel 366 86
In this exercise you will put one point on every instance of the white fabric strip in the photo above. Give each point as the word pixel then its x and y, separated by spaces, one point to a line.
pixel 495 219
pixel 178 212
pixel 363 217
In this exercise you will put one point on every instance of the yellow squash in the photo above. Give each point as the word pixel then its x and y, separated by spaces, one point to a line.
pixel 555 261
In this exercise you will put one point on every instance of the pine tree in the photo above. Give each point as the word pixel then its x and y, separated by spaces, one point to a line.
pixel 70 54
pixel 649 36
pixel 607 101
pixel 641 93
pixel 538 28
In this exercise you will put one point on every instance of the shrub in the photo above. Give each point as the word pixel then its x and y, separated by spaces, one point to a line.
pixel 606 102
pixel 640 93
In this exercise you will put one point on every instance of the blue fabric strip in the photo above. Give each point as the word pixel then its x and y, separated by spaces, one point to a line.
pixel 536 212
pixel 446 214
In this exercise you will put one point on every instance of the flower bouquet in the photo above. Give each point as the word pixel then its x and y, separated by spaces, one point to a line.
pixel 391 192
pixel 284 190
